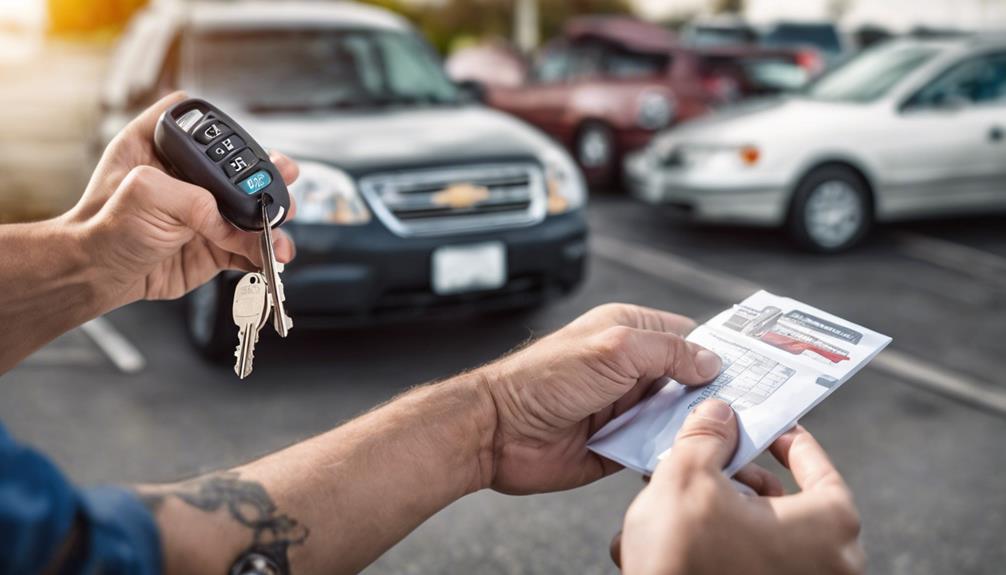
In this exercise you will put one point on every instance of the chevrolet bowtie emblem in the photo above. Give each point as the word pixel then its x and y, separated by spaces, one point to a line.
pixel 460 196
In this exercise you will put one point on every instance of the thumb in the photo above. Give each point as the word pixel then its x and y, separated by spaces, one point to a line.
pixel 706 441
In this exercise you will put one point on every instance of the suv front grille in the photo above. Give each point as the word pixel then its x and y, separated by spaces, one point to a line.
pixel 457 199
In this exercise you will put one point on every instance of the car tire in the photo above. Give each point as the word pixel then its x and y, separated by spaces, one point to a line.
pixel 208 322
pixel 832 210
pixel 596 152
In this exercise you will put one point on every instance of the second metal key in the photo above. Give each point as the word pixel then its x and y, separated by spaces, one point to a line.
pixel 271 269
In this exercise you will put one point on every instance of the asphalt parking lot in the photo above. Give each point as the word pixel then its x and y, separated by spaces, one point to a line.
pixel 918 434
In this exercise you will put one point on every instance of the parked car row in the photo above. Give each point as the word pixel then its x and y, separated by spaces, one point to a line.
pixel 817 44
pixel 605 85
pixel 417 199
pixel 412 202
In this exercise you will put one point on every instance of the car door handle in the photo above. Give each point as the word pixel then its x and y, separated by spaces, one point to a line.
pixel 996 134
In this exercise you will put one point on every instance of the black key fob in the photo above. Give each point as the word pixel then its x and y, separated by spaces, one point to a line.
pixel 203 146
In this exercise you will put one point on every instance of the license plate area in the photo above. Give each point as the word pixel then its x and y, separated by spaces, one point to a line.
pixel 469 268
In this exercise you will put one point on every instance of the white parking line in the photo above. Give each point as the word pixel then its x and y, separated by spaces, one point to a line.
pixel 940 380
pixel 731 289
pixel 967 260
pixel 115 345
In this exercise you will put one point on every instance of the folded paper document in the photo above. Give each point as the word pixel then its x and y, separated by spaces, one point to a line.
pixel 780 359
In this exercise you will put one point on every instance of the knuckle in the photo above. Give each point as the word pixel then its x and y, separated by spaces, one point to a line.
pixel 144 173
pixel 681 359
pixel 848 520
pixel 848 560
pixel 641 511
pixel 138 177
pixel 612 311
pixel 842 513
pixel 614 341
pixel 702 496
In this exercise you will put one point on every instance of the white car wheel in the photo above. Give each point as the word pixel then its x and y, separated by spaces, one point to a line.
pixel 834 214
pixel 832 209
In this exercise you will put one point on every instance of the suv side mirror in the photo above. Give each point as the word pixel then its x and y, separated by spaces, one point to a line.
pixel 472 91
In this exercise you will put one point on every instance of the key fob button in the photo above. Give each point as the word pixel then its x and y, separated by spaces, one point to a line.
pixel 255 183
pixel 224 147
pixel 210 130
pixel 240 162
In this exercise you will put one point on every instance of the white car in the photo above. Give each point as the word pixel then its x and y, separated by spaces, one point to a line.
pixel 911 128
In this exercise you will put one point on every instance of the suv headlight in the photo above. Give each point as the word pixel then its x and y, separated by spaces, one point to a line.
pixel 563 181
pixel 327 195
pixel 654 111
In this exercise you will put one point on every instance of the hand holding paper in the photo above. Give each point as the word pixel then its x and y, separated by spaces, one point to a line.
pixel 690 520
pixel 780 359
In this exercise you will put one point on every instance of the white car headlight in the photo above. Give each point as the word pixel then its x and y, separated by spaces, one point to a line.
pixel 327 195
pixel 718 156
pixel 564 182
pixel 655 111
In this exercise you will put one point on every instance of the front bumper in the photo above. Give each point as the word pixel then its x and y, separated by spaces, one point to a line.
pixel 362 274
pixel 708 195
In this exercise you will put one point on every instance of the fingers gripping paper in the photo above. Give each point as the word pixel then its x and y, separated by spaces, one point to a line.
pixel 780 359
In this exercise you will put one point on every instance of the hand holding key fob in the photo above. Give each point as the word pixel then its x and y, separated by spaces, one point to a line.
pixel 204 146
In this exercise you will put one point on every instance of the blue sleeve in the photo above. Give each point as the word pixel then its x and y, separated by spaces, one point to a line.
pixel 39 507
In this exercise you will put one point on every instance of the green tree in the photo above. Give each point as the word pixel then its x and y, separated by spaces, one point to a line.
pixel 453 21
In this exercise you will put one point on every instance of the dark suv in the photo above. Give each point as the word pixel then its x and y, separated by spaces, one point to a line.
pixel 411 202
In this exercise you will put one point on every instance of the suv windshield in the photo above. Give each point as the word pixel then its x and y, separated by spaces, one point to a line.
pixel 284 70
pixel 872 74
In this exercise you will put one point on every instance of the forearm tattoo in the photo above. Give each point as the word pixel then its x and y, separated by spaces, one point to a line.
pixel 248 503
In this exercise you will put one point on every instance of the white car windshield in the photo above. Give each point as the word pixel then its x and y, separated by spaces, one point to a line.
pixel 872 74
pixel 305 69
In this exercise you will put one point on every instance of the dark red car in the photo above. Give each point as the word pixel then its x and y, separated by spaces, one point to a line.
pixel 606 85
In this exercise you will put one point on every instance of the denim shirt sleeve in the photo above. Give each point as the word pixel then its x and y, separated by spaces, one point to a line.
pixel 39 507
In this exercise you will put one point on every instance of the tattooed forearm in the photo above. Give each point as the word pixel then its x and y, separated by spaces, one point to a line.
pixel 248 503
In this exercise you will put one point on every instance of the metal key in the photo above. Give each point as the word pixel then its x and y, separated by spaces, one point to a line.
pixel 250 309
pixel 270 269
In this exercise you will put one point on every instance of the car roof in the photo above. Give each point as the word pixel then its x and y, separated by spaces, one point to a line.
pixel 263 14
pixel 626 31
pixel 720 21
pixel 964 42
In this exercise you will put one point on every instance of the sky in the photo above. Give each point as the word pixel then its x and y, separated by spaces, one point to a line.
pixel 26 12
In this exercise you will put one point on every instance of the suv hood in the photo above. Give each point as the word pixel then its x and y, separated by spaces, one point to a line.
pixel 390 138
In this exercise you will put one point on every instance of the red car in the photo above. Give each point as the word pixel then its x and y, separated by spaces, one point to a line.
pixel 607 84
